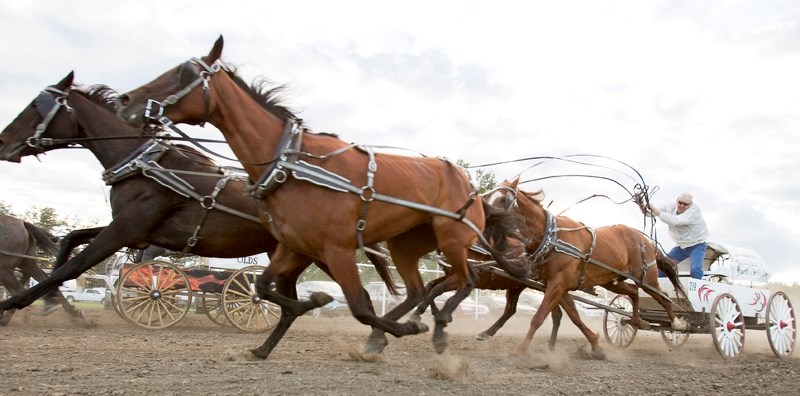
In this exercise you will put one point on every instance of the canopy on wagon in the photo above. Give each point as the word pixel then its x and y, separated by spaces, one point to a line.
pixel 732 264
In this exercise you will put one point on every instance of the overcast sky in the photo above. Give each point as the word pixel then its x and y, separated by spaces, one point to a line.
pixel 697 96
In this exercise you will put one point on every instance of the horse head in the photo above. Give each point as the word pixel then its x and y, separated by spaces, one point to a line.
pixel 51 117
pixel 181 94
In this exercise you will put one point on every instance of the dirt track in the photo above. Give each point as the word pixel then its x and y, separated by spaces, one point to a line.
pixel 52 356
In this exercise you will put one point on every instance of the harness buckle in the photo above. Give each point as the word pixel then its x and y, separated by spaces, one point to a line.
pixel 208 202
pixel 33 141
pixel 367 194
pixel 153 110
pixel 361 225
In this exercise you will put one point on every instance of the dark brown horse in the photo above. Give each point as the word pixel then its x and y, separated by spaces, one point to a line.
pixel 320 195
pixel 19 242
pixel 568 255
pixel 162 194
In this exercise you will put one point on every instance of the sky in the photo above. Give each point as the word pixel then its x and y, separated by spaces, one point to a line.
pixel 695 96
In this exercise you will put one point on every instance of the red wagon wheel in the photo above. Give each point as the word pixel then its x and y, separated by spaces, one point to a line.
pixel 154 294
pixel 617 327
pixel 727 326
pixel 244 309
pixel 781 325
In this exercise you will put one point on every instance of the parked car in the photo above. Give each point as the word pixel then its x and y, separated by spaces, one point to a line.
pixel 467 307
pixel 337 307
pixel 93 295
pixel 497 304
pixel 382 300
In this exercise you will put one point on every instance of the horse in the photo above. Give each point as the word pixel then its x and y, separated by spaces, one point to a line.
pixel 162 194
pixel 19 242
pixel 568 255
pixel 324 197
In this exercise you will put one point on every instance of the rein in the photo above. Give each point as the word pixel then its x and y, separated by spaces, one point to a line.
pixel 9 253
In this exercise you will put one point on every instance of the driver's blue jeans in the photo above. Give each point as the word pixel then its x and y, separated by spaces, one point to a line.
pixel 695 253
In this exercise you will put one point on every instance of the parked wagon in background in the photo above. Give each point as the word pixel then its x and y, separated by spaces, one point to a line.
pixel 157 294
pixel 731 297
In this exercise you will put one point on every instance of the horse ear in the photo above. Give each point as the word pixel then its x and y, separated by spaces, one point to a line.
pixel 66 82
pixel 216 51
pixel 514 183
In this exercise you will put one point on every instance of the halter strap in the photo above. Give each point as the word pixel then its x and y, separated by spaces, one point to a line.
pixel 59 100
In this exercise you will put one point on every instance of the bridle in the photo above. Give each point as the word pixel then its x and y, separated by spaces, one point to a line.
pixel 154 110
pixel 508 203
pixel 48 103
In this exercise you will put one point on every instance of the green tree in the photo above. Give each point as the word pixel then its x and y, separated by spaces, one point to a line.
pixel 5 208
pixel 46 218
pixel 485 180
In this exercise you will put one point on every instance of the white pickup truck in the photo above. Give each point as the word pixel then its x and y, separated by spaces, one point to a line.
pixel 94 294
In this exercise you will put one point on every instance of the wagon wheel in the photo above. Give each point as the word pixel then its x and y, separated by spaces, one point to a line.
pixel 727 326
pixel 674 338
pixel 118 308
pixel 244 309
pixel 212 306
pixel 154 294
pixel 617 328
pixel 781 325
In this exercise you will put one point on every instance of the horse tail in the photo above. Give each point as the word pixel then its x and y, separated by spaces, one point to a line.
pixel 501 227
pixel 669 267
pixel 382 268
pixel 44 239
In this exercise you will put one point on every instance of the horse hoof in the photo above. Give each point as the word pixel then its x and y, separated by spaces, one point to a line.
pixel 375 345
pixel 320 298
pixel 644 325
pixel 259 354
pixel 419 327
pixel 440 344
pixel 680 324
pixel 482 337
pixel 414 318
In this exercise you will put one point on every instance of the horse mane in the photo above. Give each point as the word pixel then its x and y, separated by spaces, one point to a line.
pixel 535 196
pixel 101 95
pixel 263 91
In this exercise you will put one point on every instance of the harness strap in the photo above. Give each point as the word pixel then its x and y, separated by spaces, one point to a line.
pixel 368 191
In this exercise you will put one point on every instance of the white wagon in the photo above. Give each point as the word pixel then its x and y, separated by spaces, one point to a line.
pixel 732 296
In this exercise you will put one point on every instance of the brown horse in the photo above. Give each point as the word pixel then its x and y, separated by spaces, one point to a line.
pixel 19 242
pixel 321 196
pixel 162 194
pixel 568 255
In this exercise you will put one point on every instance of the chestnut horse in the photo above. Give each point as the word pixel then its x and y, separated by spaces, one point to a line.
pixel 162 194
pixel 323 197
pixel 568 255
pixel 19 242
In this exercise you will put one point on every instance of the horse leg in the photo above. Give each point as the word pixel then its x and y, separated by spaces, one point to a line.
pixel 11 283
pixel 30 267
pixel 117 235
pixel 284 269
pixel 425 304
pixel 512 297
pixel 65 247
pixel 632 291
pixel 555 316
pixel 406 251
pixel 652 280
pixel 552 295
pixel 572 312
pixel 464 279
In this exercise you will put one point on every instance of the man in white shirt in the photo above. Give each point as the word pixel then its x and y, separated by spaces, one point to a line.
pixel 688 229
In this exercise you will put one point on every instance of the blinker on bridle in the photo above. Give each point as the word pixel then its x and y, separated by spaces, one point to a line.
pixel 154 110
pixel 48 103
